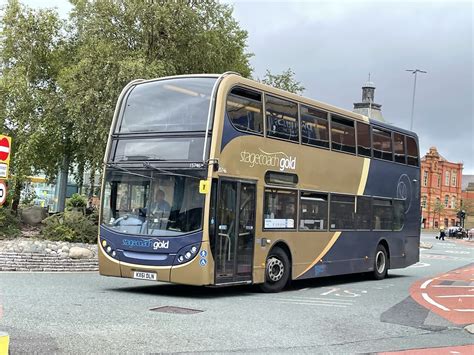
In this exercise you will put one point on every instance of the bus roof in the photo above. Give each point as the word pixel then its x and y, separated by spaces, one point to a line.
pixel 232 79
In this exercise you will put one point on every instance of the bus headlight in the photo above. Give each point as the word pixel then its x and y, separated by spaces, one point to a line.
pixel 187 253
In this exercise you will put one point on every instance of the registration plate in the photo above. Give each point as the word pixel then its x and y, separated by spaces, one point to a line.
pixel 144 275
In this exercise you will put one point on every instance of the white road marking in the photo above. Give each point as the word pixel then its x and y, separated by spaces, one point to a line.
pixel 426 283
pixel 420 264
pixel 315 299
pixel 314 304
pixel 454 296
pixel 465 310
pixel 304 289
pixel 430 301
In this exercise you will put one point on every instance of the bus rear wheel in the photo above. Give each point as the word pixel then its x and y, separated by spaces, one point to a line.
pixel 381 263
pixel 277 271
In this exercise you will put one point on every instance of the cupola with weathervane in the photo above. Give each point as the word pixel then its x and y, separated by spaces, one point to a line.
pixel 368 107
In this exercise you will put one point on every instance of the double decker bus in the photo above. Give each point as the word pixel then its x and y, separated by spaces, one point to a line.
pixel 220 180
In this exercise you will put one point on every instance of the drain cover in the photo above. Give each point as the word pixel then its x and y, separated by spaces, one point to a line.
pixel 175 310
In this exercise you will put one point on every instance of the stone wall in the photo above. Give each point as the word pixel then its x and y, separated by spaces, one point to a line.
pixel 12 261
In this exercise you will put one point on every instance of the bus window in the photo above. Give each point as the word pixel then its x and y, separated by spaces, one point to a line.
pixel 399 148
pixel 280 209
pixel 342 134
pixel 342 212
pixel 382 144
pixel 277 178
pixel 398 214
pixel 383 214
pixel 313 211
pixel 412 152
pixel 363 139
pixel 282 118
pixel 244 108
pixel 314 127
pixel 364 213
pixel 172 105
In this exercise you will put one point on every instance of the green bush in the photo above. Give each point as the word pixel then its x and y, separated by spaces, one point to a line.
pixel 70 226
pixel 76 201
pixel 9 223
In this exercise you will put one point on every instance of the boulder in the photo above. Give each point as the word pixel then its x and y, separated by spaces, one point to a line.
pixel 33 215
pixel 80 253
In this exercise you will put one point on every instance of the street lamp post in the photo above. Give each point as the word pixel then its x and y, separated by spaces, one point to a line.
pixel 414 71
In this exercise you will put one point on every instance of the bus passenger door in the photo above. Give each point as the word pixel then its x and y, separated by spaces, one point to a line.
pixel 235 232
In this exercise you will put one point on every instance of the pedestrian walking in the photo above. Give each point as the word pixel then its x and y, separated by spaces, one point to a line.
pixel 442 234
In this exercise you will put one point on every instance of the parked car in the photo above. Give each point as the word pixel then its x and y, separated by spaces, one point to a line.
pixel 453 231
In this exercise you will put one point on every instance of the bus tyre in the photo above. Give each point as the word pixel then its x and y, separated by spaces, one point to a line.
pixel 277 271
pixel 380 263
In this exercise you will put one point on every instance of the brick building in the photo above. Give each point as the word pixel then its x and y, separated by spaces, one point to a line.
pixel 468 199
pixel 440 190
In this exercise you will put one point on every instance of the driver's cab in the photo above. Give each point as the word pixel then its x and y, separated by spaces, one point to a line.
pixel 136 212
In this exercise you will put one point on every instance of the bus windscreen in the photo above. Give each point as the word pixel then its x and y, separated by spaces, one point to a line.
pixel 151 203
pixel 170 105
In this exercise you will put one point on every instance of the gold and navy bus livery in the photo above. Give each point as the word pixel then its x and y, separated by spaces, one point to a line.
pixel 219 180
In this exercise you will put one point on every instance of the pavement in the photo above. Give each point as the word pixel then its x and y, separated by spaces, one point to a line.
pixel 87 313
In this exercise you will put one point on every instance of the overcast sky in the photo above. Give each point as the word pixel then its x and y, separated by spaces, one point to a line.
pixel 333 45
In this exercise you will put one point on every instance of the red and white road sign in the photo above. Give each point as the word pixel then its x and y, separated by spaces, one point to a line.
pixel 3 192
pixel 4 148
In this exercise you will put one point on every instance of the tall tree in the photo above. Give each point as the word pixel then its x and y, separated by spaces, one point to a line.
pixel 118 41
pixel 31 103
pixel 60 80
pixel 438 209
pixel 285 81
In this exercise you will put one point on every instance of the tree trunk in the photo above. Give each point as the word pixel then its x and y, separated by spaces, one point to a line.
pixel 16 194
pixel 62 184
pixel 91 182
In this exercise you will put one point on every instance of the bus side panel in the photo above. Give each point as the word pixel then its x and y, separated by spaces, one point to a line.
pixel 387 179
pixel 354 251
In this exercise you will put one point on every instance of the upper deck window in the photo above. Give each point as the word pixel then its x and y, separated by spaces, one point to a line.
pixel 244 108
pixel 363 139
pixel 172 105
pixel 314 127
pixel 343 134
pixel 399 147
pixel 282 118
pixel 412 151
pixel 382 144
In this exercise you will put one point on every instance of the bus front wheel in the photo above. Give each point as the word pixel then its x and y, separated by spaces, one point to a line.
pixel 277 271
pixel 380 263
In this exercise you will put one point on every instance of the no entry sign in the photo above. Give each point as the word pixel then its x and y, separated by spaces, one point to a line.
pixel 3 192
pixel 5 147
